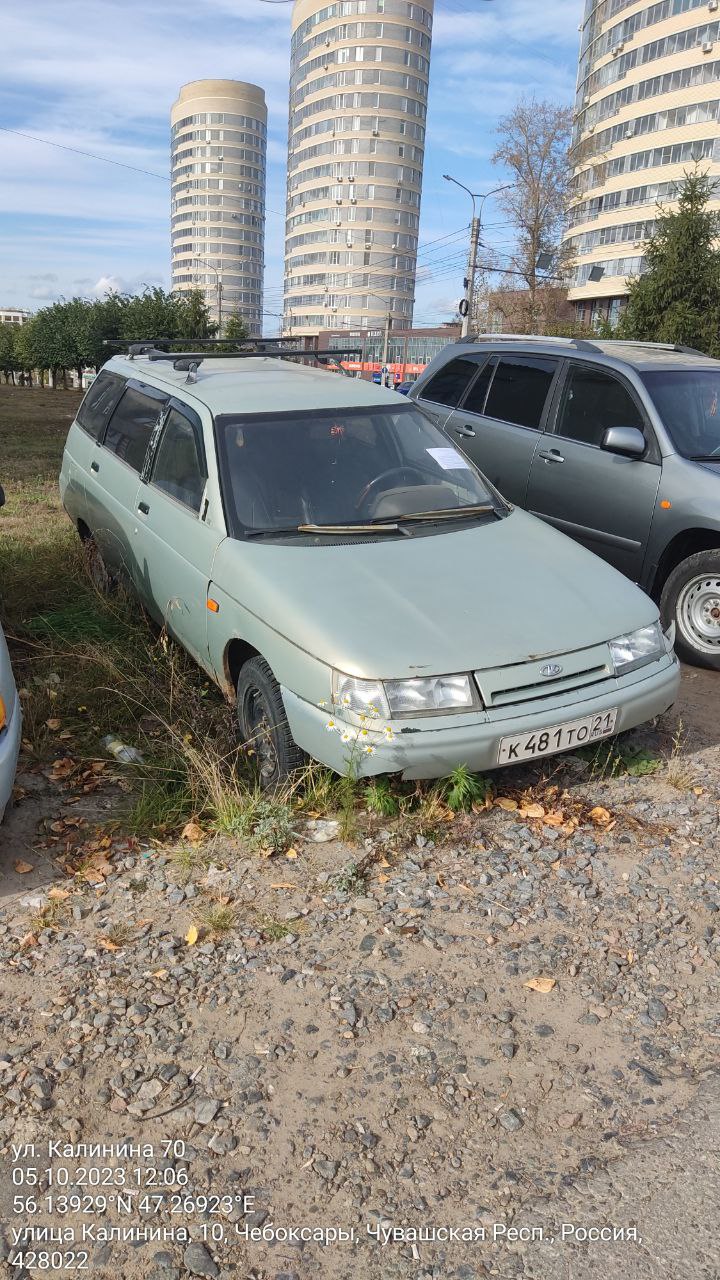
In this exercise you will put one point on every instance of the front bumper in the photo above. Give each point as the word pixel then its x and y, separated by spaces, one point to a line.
pixel 434 746
pixel 9 751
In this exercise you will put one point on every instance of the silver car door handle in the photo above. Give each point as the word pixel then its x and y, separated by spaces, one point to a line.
pixel 552 456
pixel 143 508
pixel 463 431
pixel 94 466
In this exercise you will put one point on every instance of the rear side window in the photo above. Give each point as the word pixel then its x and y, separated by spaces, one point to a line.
pixel 475 399
pixel 131 426
pixel 592 401
pixel 449 383
pixel 520 389
pixel 179 468
pixel 94 412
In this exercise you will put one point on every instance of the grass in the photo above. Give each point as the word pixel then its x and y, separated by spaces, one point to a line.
pixel 619 757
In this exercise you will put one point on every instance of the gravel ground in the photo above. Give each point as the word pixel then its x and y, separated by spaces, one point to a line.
pixel 373 1050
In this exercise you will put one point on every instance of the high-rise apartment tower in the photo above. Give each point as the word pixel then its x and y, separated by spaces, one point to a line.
pixel 358 105
pixel 219 144
pixel 647 108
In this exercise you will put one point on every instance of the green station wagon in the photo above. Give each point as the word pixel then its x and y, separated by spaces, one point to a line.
pixel 347 576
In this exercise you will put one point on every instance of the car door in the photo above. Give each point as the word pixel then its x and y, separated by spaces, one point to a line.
pixel 501 416
pixel 439 396
pixel 603 499
pixel 180 528
pixel 113 476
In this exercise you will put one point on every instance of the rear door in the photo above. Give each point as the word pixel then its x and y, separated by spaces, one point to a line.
pixel 179 529
pixel 502 416
pixel 113 477
pixel 604 500
pixel 439 396
pixel 84 438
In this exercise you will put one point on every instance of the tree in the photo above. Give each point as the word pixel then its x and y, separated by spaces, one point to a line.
pixel 677 299
pixel 533 145
pixel 8 355
pixel 236 329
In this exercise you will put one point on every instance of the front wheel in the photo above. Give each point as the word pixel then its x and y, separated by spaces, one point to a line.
pixel 263 724
pixel 691 598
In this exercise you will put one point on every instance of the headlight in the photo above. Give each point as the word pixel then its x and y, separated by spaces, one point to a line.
pixel 365 697
pixel 637 648
pixel 429 693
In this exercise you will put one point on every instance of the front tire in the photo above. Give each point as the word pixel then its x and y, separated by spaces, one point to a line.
pixel 263 724
pixel 691 599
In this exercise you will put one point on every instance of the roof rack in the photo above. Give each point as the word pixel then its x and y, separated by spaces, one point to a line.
pixel 655 346
pixel 189 361
pixel 582 344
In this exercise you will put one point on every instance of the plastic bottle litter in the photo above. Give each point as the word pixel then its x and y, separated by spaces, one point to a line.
pixel 121 752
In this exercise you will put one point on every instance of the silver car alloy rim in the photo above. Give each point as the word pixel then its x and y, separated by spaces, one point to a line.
pixel 698 613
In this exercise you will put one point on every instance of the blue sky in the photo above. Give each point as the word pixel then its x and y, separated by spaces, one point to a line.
pixel 100 76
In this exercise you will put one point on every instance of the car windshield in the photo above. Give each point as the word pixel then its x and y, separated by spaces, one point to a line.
pixel 688 401
pixel 342 467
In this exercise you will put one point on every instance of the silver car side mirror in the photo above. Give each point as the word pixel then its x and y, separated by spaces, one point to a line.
pixel 628 441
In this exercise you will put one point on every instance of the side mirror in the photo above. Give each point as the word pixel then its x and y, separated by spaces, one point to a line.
pixel 628 441
pixel 2 496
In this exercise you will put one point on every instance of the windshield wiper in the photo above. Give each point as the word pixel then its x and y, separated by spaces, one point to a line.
pixel 450 513
pixel 705 457
pixel 366 527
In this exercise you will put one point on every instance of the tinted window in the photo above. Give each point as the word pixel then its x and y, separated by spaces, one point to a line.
pixel 475 400
pixel 519 390
pixel 179 467
pixel 131 426
pixel 450 382
pixel 688 401
pixel 592 401
pixel 99 403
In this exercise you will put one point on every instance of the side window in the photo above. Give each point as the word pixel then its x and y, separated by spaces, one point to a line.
pixel 519 390
pixel 179 467
pixel 449 383
pixel 592 401
pixel 131 426
pixel 99 403
pixel 475 399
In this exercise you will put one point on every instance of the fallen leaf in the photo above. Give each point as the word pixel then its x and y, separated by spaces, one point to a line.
pixel 160 973
pixel 554 819
pixel 53 724
pixel 440 880
pixel 22 867
pixel 383 862
pixel 192 831
pixel 283 884
pixel 108 945
pixel 58 894
pixel 192 936
pixel 66 733
pixel 383 879
pixel 601 817
pixel 533 811
pixel 98 766
pixel 503 802
pixel 28 940
pixel 291 853
pixel 543 985
pixel 698 791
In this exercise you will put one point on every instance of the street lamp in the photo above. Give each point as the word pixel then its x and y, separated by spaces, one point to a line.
pixel 475 225
pixel 219 289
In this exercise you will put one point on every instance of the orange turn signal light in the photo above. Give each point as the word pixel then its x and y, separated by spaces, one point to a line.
pixel 665 504
pixel 213 605
pixel 3 714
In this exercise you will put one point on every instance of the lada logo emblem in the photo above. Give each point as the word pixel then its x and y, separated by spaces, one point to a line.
pixel 551 669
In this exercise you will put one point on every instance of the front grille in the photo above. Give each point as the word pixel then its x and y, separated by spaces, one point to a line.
pixel 521 682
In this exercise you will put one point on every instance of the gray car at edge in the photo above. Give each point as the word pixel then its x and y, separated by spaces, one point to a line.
pixel 615 443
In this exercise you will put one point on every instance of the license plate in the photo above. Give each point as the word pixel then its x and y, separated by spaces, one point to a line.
pixel 559 737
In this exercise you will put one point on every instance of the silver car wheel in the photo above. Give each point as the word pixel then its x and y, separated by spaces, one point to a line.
pixel 698 613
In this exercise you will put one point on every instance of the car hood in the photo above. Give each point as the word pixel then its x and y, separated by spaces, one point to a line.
pixel 512 591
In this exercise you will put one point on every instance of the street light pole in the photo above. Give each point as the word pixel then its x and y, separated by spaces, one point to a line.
pixel 475 227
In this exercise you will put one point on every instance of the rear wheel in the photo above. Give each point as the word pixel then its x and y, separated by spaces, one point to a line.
pixel 263 724
pixel 691 598
pixel 98 572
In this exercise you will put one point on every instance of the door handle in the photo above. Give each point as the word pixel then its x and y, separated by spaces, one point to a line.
pixel 463 431
pixel 144 508
pixel 552 456
pixel 94 466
